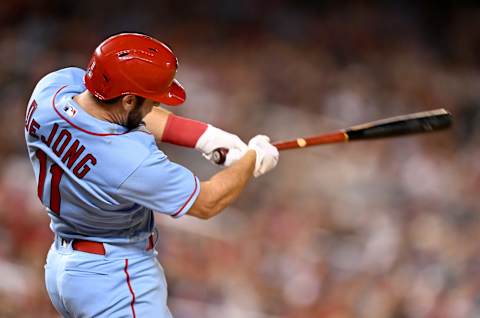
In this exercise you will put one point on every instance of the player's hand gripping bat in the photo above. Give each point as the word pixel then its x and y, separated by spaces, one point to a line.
pixel 389 127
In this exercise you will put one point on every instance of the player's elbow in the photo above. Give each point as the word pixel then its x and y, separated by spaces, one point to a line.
pixel 206 207
pixel 207 210
pixel 203 215
pixel 210 201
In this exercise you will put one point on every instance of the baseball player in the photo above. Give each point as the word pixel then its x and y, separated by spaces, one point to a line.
pixel 101 176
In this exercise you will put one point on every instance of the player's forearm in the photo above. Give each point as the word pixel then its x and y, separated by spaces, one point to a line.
pixel 181 131
pixel 170 128
pixel 156 121
pixel 233 181
pixel 224 187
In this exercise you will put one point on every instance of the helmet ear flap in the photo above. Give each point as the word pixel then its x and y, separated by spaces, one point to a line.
pixel 137 64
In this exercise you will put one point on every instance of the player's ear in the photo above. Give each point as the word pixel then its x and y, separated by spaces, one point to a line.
pixel 129 102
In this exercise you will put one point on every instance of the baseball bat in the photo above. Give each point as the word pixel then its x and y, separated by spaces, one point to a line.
pixel 415 123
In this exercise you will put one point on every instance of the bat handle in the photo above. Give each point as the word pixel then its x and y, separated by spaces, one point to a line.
pixel 219 156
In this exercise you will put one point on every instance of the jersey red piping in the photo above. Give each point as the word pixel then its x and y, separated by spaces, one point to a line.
pixel 132 303
pixel 78 127
pixel 190 198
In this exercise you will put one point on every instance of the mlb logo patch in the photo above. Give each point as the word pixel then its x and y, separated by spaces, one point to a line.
pixel 70 110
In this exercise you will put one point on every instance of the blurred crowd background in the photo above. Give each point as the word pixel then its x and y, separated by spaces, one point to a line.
pixel 374 229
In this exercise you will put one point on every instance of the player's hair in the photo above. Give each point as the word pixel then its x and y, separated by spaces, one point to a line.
pixel 108 101
pixel 112 101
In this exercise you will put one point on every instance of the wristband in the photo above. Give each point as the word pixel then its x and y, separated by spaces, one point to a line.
pixel 183 131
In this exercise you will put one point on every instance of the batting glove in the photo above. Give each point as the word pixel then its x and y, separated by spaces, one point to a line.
pixel 267 154
pixel 214 138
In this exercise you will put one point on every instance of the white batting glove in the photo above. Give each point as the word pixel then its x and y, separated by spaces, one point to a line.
pixel 267 154
pixel 214 138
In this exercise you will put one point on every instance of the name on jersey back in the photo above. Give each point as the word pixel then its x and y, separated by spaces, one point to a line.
pixel 68 149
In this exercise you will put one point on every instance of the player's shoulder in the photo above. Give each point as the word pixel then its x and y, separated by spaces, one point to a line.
pixel 138 143
pixel 126 153
pixel 64 76
pixel 51 89
pixel 54 81
pixel 65 80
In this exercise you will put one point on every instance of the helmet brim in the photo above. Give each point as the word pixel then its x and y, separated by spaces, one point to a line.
pixel 175 95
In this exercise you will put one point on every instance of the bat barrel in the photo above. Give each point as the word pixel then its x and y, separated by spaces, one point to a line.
pixel 402 125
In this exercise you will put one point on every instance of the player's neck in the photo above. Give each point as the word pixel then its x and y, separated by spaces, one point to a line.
pixel 111 113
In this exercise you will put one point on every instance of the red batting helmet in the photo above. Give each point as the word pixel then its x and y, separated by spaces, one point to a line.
pixel 131 63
